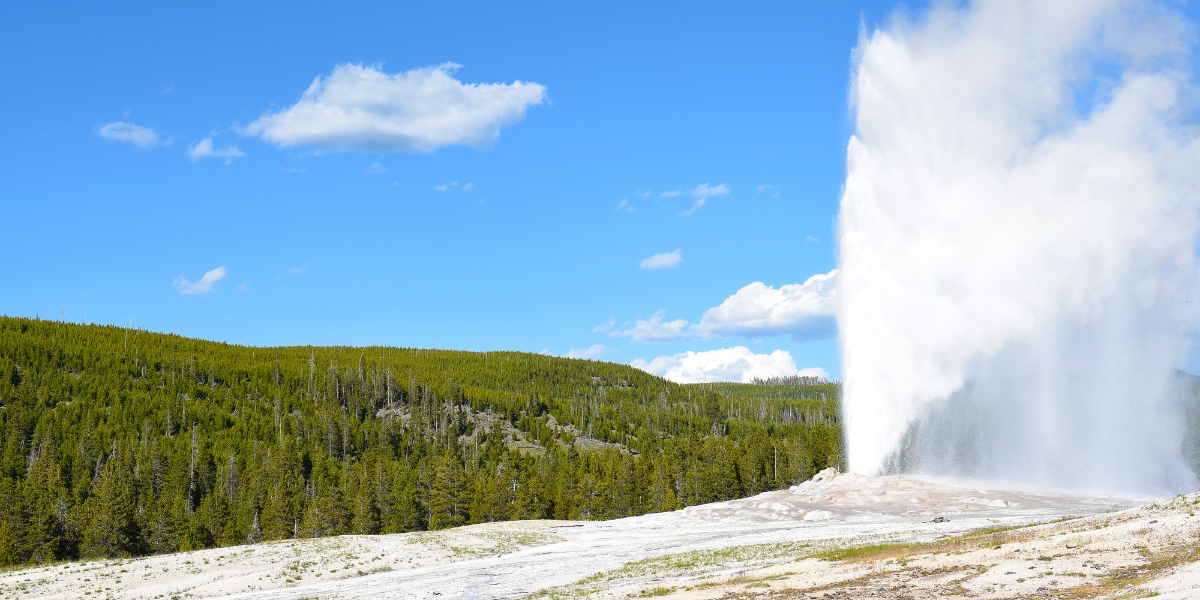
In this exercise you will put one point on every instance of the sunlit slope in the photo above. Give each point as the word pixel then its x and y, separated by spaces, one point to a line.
pixel 125 442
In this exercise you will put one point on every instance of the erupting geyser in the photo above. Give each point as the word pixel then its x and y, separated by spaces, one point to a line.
pixel 1018 244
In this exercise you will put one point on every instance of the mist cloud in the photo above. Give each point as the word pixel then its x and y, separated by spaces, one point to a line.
pixel 1013 211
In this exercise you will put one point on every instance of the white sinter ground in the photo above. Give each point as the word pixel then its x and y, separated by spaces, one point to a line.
pixel 707 543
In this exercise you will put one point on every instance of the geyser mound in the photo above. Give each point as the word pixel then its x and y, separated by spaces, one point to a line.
pixel 1020 212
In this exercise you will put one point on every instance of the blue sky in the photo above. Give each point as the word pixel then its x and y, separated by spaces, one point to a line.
pixel 131 166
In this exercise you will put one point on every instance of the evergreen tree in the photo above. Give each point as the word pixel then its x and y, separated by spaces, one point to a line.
pixel 116 441
pixel 43 496
pixel 112 530
pixel 448 493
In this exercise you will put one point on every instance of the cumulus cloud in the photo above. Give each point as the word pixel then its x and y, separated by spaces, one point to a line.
pixel 816 372
pixel 204 149
pixel 654 329
pixel 726 364
pixel 362 108
pixel 666 260
pixel 806 311
pixel 201 287
pixel 120 131
pixel 589 353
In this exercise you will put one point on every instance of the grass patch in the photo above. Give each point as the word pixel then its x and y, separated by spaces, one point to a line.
pixel 463 544
pixel 681 565
pixel 990 537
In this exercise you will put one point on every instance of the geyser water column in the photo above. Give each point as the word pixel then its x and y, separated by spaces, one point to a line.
pixel 1020 212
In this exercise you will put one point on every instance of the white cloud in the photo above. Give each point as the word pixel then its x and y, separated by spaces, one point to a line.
pixel 816 372
pixel 702 193
pixel 198 288
pixel 120 131
pixel 726 364
pixel 670 194
pixel 709 191
pixel 299 268
pixel 362 108
pixel 243 287
pixel 453 185
pixel 204 149
pixel 768 189
pixel 697 205
pixel 812 239
pixel 666 260
pixel 605 327
pixel 590 353
pixel 654 329
pixel 625 205
pixel 804 311
pixel 375 169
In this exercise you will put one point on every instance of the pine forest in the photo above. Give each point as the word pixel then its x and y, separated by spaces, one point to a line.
pixel 119 442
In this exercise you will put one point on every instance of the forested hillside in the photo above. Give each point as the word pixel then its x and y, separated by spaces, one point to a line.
pixel 119 442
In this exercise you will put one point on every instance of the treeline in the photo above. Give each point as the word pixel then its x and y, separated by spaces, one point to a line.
pixel 122 442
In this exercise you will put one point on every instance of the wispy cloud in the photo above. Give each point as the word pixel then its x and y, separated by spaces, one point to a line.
pixel 204 149
pixel 298 269
pixel 670 194
pixel 375 169
pixel 697 205
pixel 770 190
pixel 626 206
pixel 362 108
pixel 702 193
pixel 589 353
pixel 243 287
pixel 654 329
pixel 605 326
pixel 201 287
pixel 121 131
pixel 705 190
pixel 666 260
pixel 454 185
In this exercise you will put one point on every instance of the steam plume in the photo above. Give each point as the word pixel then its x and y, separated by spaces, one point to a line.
pixel 1020 213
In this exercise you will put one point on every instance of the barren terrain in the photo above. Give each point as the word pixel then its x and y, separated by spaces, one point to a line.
pixel 839 535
